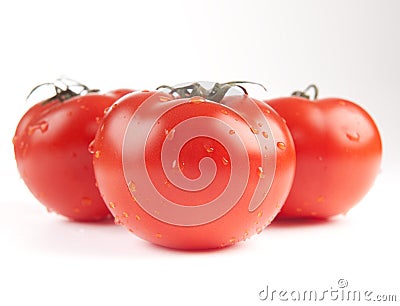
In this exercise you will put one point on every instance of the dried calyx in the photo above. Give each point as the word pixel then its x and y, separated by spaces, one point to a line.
pixel 64 89
pixel 216 93
pixel 304 93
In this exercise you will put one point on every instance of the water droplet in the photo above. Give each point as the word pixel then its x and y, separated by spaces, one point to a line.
pixel 111 204
pixel 117 221
pixel 267 111
pixel 91 147
pixel 125 214
pixel 132 186
pixel 174 163
pixel 137 217
pixel 259 230
pixel 98 120
pixel 260 213
pixel 165 99
pixel 85 201
pixel 265 134
pixel 209 148
pixel 253 130
pixel 196 100
pixel 281 145
pixel 107 109
pixel 225 161
pixel 320 199
pixel 42 126
pixel 245 235
pixel 260 172
pixel 232 240
pixel 231 132
pixel 353 136
pixel 97 154
pixel 169 134
pixel 84 107
pixel 158 235
pixel 224 111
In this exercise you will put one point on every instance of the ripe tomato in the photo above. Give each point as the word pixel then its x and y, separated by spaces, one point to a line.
pixel 51 150
pixel 338 154
pixel 182 171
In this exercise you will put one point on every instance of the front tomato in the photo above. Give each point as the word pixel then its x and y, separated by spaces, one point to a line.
pixel 182 171
pixel 51 150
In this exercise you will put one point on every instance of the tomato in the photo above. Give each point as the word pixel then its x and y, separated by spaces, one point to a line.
pixel 182 171
pixel 51 150
pixel 338 153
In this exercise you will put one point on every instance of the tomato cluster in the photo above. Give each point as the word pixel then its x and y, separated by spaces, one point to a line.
pixel 195 166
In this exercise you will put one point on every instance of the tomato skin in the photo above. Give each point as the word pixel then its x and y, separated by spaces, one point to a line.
pixel 51 150
pixel 338 153
pixel 118 93
pixel 127 201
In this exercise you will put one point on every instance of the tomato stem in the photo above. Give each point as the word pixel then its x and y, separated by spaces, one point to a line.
pixel 216 93
pixel 63 90
pixel 304 94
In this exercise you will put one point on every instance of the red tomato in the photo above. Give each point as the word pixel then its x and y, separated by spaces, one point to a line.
pixel 191 173
pixel 338 155
pixel 51 150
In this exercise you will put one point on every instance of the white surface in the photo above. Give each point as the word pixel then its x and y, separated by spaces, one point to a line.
pixel 349 48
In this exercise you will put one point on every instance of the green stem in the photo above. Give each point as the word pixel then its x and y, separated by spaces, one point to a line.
pixel 63 94
pixel 303 94
pixel 216 94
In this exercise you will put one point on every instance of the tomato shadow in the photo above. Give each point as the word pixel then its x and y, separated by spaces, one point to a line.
pixel 60 236
pixel 102 239
pixel 151 247
pixel 304 222
pixel 227 249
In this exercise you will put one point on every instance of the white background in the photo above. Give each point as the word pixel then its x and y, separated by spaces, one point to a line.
pixel 351 49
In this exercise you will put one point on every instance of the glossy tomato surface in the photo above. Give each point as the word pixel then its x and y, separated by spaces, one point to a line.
pixel 51 150
pixel 190 173
pixel 338 153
